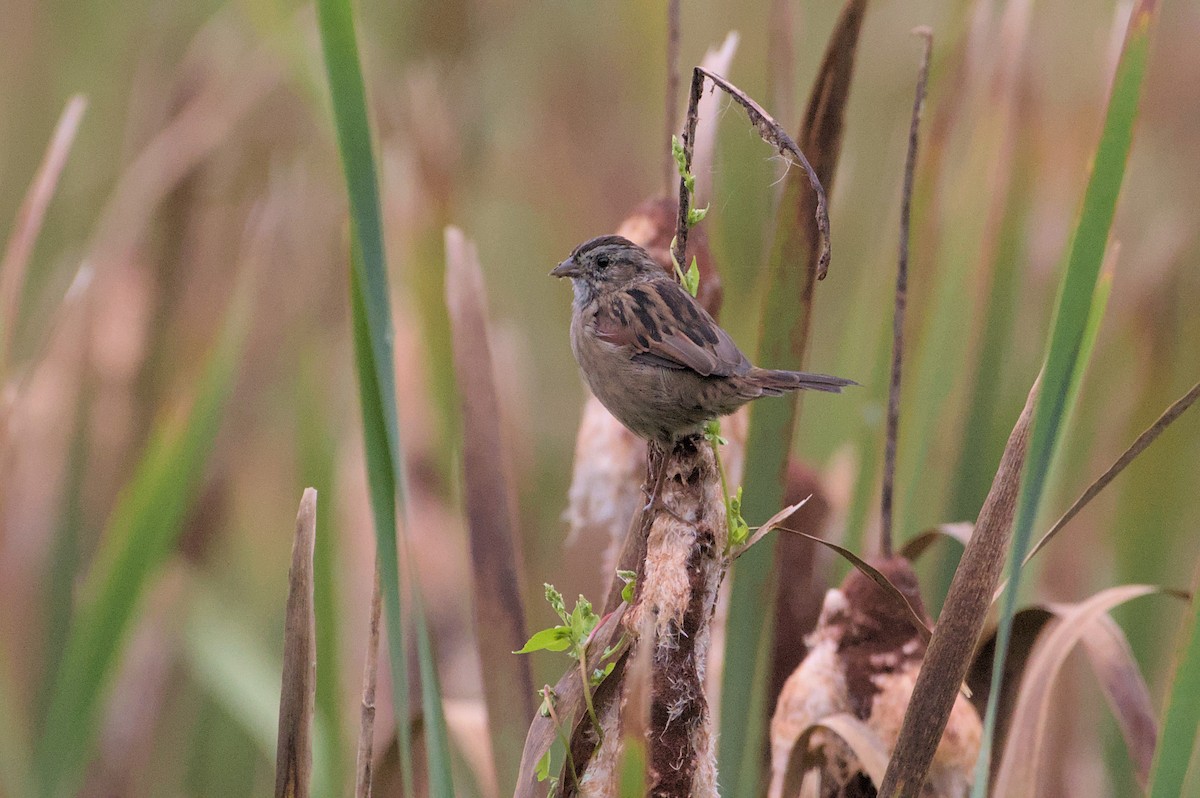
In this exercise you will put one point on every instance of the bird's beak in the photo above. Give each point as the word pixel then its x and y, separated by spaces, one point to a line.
pixel 568 268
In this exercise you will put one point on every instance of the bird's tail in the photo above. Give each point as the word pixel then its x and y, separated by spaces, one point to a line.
pixel 778 382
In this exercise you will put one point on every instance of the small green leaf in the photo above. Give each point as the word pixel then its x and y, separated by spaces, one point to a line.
pixel 549 700
pixel 712 433
pixel 691 280
pixel 583 621
pixel 630 580
pixel 739 530
pixel 543 767
pixel 600 674
pixel 696 215
pixel 556 638
pixel 608 652
pixel 678 154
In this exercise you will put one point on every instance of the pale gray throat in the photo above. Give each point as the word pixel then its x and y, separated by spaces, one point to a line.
pixel 585 292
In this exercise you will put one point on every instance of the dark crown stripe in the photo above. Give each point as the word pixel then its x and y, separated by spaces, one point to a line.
pixel 600 241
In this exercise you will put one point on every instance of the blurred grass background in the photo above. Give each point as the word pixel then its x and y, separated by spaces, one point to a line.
pixel 206 160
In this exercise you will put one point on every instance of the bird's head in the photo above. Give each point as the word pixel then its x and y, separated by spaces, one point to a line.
pixel 605 264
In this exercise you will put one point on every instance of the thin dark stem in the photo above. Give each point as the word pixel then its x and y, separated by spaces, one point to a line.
pixel 893 409
pixel 366 734
pixel 773 134
pixel 672 99
pixel 688 139
pixel 1137 447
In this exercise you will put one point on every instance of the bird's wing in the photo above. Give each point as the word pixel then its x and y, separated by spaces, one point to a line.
pixel 663 325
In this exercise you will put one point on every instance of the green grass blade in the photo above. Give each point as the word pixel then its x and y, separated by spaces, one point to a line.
pixel 784 329
pixel 373 353
pixel 142 530
pixel 1069 332
pixel 1091 332
pixel 1181 718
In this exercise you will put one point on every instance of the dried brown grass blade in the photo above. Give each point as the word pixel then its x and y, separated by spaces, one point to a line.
pixel 1142 442
pixel 953 642
pixel 772 523
pixel 293 757
pixel 499 612
pixel 365 762
pixel 1119 677
pixel 1125 689
pixel 29 220
pixel 919 544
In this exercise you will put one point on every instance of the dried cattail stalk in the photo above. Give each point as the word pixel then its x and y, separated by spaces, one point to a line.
pixel 673 606
pixel 863 660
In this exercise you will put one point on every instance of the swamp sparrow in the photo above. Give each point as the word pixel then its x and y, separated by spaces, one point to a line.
pixel 651 354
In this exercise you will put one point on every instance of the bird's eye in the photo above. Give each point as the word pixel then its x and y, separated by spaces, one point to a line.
pixel 602 261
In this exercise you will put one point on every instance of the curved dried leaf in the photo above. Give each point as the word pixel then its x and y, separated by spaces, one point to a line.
pixel 1075 623
pixel 772 523
pixel 1125 689
pixel 919 544
pixel 872 754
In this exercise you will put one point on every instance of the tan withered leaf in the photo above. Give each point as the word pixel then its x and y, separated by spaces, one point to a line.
pixel 491 513
pixel 1089 623
pixel 862 741
pixel 293 756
